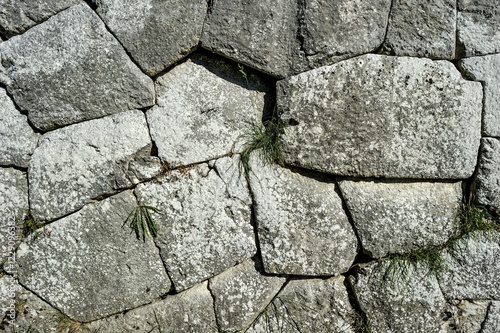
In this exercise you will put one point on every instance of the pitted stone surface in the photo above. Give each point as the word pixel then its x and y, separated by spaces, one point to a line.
pixel 488 175
pixel 204 110
pixel 423 122
pixel 471 269
pixel 8 291
pixel 70 69
pixel 402 304
pixel 78 163
pixel 487 70
pixel 204 224
pixel 308 306
pixel 90 266
pixel 17 137
pixel 422 28
pixel 469 316
pixel 399 217
pixel 241 293
pixel 16 16
pixel 302 227
pixel 155 33
pixel 492 322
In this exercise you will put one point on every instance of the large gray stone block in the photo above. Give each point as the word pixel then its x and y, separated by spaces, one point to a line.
pixel 89 265
pixel 302 227
pixel 70 69
pixel 78 163
pixel 487 180
pixel 381 116
pixel 156 33
pixel 399 217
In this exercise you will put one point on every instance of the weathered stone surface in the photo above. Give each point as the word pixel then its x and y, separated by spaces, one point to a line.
pixel 70 69
pixel 402 304
pixel 204 111
pixel 478 27
pixel 241 293
pixel 191 311
pixel 492 322
pixel 18 16
pixel 161 33
pixel 8 289
pixel 471 270
pixel 204 224
pixel 301 224
pixel 78 163
pixel 308 306
pixel 422 28
pixel 399 217
pixel 469 316
pixel 487 70
pixel 423 121
pixel 488 175
pixel 18 139
pixel 91 266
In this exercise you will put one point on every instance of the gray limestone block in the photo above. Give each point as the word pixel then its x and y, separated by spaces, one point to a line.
pixel 422 28
pixel 487 180
pixel 301 224
pixel 241 293
pixel 471 268
pixel 70 69
pixel 204 222
pixel 205 107
pixel 424 121
pixel 492 322
pixel 16 16
pixel 487 70
pixel 89 265
pixel 308 306
pixel 17 137
pixel 395 303
pixel 78 163
pixel 399 217
pixel 156 33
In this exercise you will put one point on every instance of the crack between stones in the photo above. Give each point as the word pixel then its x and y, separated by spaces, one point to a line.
pixel 488 309
pixel 380 49
pixel 355 304
pixel 209 287
pixel 456 51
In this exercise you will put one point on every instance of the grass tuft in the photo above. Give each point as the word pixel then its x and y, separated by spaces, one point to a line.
pixel 30 225
pixel 475 218
pixel 142 222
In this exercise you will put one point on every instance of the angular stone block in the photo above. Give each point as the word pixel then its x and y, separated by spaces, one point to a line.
pixel 487 180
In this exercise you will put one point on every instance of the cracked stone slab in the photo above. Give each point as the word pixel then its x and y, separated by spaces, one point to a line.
pixel 70 69
pixel 17 137
pixel 301 224
pixel 487 181
pixel 205 108
pixel 471 268
pixel 241 293
pixel 399 217
pixel 492 322
pixel 421 28
pixel 487 70
pixel 78 163
pixel 204 224
pixel 90 266
pixel 308 306
pixel 395 303
pixel 162 32
pixel 424 121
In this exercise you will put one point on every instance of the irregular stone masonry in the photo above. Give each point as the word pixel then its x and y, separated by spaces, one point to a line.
pixel 249 166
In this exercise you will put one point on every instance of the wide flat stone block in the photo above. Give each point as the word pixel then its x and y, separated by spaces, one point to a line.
pixel 487 180
pixel 424 121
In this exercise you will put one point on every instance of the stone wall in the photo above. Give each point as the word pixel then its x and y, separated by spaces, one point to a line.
pixel 364 223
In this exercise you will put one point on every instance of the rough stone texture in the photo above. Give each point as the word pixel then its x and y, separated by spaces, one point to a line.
pixel 301 224
pixel 18 139
pixel 487 70
pixel 478 27
pixel 402 304
pixel 471 270
pixel 70 69
pixel 162 32
pixel 308 306
pixel 191 311
pixel 488 175
pixel 8 287
pixel 90 266
pixel 18 16
pixel 423 121
pixel 204 224
pixel 469 316
pixel 399 217
pixel 492 322
pixel 78 163
pixel 204 111
pixel 241 293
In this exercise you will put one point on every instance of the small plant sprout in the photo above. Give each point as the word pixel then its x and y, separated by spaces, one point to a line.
pixel 30 225
pixel 142 222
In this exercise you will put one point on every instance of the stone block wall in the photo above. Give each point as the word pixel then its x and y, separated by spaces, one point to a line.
pixel 391 121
